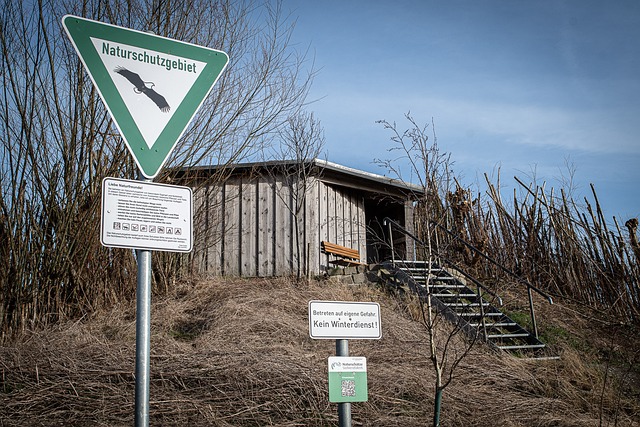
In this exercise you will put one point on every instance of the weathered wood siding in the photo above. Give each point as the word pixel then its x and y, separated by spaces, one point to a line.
pixel 248 226
pixel 409 225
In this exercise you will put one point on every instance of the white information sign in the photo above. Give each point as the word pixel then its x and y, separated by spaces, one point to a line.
pixel 145 215
pixel 344 320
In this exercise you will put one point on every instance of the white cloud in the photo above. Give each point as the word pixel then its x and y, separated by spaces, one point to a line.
pixel 555 127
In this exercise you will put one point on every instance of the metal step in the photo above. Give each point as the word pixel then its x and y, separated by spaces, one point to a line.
pixel 466 304
pixel 456 286
pixel 439 278
pixel 499 336
pixel 436 288
pixel 481 314
pixel 454 296
pixel 521 347
pixel 494 325
pixel 423 269
pixel 410 262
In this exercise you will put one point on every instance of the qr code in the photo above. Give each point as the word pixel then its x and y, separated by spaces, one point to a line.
pixel 348 388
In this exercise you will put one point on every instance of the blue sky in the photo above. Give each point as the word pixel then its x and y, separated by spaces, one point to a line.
pixel 524 86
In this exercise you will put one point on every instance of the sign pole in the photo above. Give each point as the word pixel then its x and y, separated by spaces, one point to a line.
pixel 152 86
pixel 344 408
pixel 143 333
pixel 342 320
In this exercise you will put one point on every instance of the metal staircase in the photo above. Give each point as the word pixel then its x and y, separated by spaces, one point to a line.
pixel 466 302
pixel 474 310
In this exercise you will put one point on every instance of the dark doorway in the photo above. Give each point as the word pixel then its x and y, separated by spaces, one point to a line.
pixel 375 210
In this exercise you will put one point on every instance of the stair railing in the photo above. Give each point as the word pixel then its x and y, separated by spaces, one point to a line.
pixel 506 270
pixel 391 223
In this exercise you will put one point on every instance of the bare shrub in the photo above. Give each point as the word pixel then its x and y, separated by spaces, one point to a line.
pixel 57 140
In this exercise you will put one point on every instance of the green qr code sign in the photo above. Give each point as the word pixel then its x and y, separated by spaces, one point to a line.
pixel 348 379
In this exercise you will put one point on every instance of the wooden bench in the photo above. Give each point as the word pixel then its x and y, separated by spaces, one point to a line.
pixel 346 256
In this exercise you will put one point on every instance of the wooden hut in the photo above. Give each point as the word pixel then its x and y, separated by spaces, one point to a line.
pixel 269 219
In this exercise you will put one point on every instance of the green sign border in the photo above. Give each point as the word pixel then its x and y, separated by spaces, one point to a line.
pixel 149 160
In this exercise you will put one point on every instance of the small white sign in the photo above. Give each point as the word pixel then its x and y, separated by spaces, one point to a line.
pixel 144 215
pixel 344 320
pixel 347 364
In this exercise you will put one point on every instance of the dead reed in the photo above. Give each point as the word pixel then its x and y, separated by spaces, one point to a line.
pixel 566 248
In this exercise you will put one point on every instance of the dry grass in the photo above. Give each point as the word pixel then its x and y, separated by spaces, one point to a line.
pixel 238 353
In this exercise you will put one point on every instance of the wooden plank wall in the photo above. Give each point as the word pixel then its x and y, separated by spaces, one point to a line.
pixel 208 226
pixel 247 227
pixel 283 224
pixel 266 227
pixel 340 219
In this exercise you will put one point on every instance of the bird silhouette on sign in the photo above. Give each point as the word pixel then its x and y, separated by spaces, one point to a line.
pixel 141 87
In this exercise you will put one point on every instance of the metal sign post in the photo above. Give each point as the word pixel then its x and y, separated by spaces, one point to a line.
pixel 145 216
pixel 344 408
pixel 143 333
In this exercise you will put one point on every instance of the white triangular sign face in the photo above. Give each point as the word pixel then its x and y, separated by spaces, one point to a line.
pixel 151 85
pixel 151 113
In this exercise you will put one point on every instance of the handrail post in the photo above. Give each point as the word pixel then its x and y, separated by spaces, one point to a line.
pixel 434 236
pixel 482 317
pixel 533 312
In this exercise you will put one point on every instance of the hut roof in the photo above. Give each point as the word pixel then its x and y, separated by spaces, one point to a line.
pixel 331 173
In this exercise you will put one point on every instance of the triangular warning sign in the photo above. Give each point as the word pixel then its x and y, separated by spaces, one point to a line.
pixel 151 85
